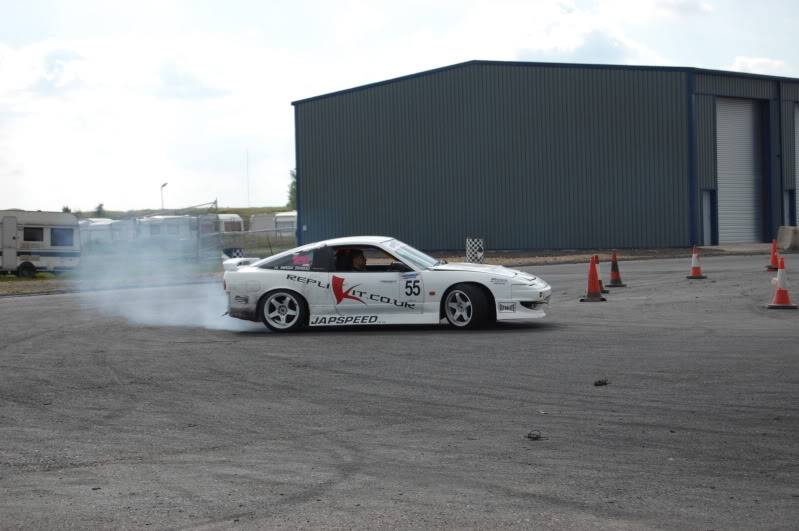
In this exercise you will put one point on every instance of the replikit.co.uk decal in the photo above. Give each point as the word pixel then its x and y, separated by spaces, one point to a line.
pixel 341 294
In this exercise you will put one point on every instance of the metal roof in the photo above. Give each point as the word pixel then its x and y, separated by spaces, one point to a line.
pixel 547 65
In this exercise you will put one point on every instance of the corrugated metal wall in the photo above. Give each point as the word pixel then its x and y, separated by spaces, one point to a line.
pixel 731 86
pixel 788 128
pixel 790 95
pixel 780 158
pixel 525 157
pixel 706 141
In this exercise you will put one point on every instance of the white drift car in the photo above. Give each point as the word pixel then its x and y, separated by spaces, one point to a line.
pixel 373 280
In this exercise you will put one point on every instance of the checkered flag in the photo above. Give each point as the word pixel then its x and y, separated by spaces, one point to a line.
pixel 233 252
pixel 475 250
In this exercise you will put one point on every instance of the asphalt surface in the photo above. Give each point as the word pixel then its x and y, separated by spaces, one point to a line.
pixel 146 409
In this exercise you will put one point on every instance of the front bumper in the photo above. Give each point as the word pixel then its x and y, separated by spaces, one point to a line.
pixel 527 302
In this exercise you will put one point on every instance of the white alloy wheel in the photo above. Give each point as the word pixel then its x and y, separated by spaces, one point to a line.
pixel 282 310
pixel 459 308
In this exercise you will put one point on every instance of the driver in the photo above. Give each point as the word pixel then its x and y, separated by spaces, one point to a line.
pixel 358 260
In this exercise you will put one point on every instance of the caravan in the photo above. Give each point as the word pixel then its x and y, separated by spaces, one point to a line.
pixel 38 241
pixel 230 223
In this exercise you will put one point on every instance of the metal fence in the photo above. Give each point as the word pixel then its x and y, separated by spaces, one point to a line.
pixel 253 244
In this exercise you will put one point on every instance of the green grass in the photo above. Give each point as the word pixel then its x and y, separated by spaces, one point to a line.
pixel 38 276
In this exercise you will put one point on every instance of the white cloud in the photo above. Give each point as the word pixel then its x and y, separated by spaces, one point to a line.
pixel 110 115
pixel 124 116
pixel 672 8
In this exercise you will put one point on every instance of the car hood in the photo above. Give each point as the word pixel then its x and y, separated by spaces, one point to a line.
pixel 496 270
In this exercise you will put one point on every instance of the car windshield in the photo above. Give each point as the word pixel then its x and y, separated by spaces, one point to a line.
pixel 413 256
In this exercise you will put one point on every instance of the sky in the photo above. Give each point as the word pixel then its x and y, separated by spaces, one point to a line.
pixel 103 101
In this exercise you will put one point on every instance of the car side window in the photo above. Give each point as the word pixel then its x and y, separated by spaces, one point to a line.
pixel 308 260
pixel 362 259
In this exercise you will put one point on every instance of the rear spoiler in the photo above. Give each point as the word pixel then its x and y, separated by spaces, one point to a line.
pixel 233 264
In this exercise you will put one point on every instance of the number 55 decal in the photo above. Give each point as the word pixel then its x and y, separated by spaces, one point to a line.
pixel 412 287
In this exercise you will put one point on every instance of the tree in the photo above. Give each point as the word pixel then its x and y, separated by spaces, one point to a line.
pixel 292 204
pixel 66 208
pixel 99 211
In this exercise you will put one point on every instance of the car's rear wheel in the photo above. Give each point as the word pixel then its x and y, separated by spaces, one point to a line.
pixel 466 306
pixel 283 311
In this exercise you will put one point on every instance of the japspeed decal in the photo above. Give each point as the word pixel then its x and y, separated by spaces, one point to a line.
pixel 341 294
pixel 320 320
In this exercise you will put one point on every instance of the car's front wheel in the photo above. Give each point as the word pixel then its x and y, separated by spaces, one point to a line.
pixel 466 306
pixel 283 311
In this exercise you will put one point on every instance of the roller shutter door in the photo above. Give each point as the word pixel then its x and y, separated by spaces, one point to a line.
pixel 737 157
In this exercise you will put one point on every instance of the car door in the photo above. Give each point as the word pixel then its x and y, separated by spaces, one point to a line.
pixel 373 291
pixel 411 291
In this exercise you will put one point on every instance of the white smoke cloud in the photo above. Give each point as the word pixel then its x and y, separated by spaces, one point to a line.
pixel 157 289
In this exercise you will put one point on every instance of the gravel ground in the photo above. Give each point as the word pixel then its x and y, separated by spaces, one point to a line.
pixel 145 408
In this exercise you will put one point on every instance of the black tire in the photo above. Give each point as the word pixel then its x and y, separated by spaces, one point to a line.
pixel 275 309
pixel 473 309
pixel 26 270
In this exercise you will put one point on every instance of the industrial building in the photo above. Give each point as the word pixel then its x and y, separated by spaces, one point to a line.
pixel 551 156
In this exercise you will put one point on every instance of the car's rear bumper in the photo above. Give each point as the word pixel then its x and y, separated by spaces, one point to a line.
pixel 243 313
pixel 241 307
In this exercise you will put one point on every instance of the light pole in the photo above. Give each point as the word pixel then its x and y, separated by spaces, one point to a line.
pixel 162 195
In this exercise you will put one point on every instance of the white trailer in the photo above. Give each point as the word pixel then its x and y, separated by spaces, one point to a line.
pixel 167 227
pixel 95 232
pixel 123 230
pixel 286 222
pixel 230 223
pixel 262 222
pixel 38 241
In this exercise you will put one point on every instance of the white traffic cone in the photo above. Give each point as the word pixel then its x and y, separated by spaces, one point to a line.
pixel 782 299
pixel 696 269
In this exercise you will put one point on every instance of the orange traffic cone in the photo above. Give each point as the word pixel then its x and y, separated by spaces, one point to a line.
pixel 782 300
pixel 593 294
pixel 696 269
pixel 615 275
pixel 599 275
pixel 774 264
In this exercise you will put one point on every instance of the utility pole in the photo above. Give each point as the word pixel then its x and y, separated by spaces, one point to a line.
pixel 162 195
pixel 247 165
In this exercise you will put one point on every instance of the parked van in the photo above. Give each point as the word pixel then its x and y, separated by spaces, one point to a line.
pixel 38 241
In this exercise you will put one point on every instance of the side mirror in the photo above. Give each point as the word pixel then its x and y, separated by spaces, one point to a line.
pixel 399 267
